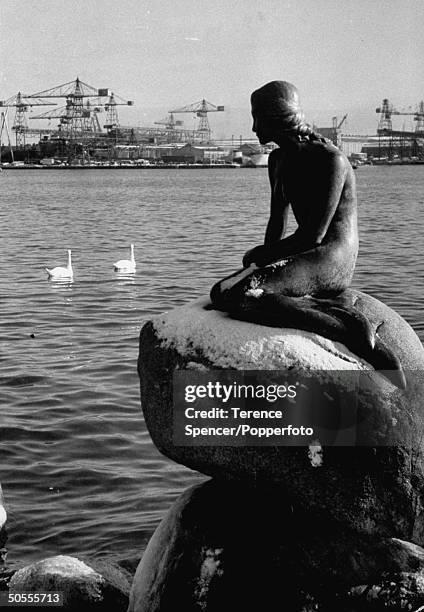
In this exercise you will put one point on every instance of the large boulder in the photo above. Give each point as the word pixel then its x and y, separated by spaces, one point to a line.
pixel 233 546
pixel 82 587
pixel 374 489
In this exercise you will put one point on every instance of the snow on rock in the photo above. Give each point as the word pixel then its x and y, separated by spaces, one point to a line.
pixel 228 343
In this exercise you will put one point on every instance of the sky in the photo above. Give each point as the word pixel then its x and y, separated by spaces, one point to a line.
pixel 344 56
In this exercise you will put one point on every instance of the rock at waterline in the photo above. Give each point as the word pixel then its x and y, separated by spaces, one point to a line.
pixel 233 546
pixel 3 515
pixel 374 489
pixel 3 533
pixel 83 588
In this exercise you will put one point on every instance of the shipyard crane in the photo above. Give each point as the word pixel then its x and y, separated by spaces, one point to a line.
pixel 75 118
pixel 419 117
pixel 22 103
pixel 336 124
pixel 387 110
pixel 201 110
pixel 173 129
pixel 169 122
pixel 3 126
pixel 76 88
pixel 397 142
pixel 89 118
pixel 336 137
pixel 112 121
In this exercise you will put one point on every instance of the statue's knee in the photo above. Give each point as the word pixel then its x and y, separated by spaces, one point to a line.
pixel 216 294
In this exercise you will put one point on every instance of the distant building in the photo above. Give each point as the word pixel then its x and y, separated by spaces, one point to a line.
pixel 393 149
pixel 195 154
pixel 127 151
pixel 250 149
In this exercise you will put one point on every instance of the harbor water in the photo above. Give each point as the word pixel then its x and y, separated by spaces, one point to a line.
pixel 79 472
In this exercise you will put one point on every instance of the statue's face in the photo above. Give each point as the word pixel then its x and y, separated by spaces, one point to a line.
pixel 263 127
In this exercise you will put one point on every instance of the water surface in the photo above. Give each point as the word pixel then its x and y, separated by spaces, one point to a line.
pixel 79 472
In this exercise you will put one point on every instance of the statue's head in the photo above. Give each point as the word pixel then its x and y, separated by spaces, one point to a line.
pixel 277 112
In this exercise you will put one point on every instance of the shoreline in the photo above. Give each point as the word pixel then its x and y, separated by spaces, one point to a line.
pixel 129 167
pixel 170 166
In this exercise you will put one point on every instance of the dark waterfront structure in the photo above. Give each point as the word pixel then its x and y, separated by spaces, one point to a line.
pixel 398 144
pixel 89 130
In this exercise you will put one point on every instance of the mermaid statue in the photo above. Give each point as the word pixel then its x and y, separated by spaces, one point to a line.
pixel 302 280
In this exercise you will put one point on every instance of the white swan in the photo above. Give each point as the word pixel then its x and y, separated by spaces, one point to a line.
pixel 126 265
pixel 61 273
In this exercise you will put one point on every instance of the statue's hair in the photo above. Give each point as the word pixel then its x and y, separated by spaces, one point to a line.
pixel 279 100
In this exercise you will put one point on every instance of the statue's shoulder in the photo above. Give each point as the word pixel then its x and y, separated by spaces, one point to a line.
pixel 325 149
pixel 274 157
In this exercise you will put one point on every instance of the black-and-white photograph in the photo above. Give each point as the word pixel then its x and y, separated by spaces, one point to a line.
pixel 212 381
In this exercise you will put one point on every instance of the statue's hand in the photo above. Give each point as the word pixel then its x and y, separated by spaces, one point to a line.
pixel 255 255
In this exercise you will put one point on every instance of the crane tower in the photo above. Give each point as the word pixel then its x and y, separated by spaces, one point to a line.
pixel 385 122
pixel 419 117
pixel 76 117
pixel 387 110
pixel 22 103
pixel 201 110
pixel 400 142
pixel 112 121
pixel 89 120
pixel 169 122
pixel 73 119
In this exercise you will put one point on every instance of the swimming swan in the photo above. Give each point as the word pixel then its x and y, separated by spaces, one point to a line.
pixel 60 273
pixel 126 265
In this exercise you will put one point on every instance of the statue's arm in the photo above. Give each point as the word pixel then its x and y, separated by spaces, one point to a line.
pixel 277 223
